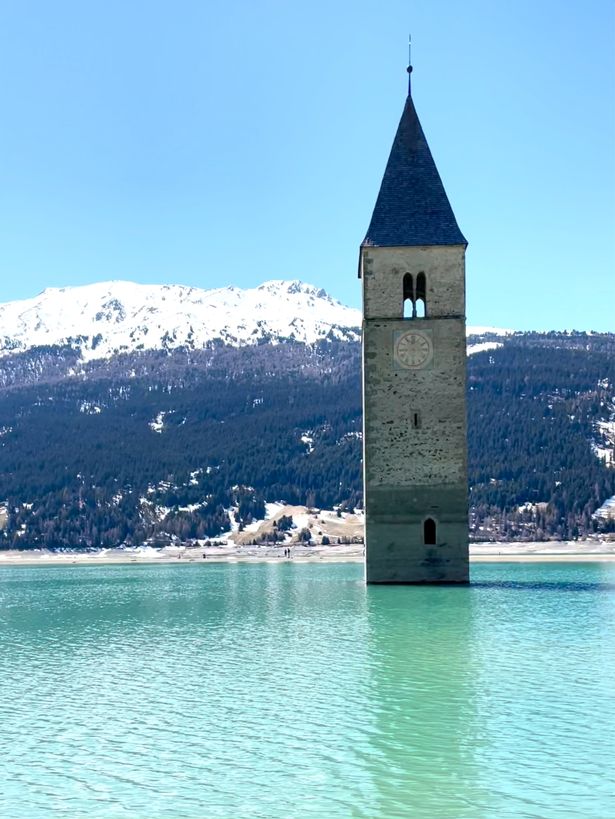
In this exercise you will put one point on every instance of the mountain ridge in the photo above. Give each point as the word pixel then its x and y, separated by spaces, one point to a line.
pixel 108 318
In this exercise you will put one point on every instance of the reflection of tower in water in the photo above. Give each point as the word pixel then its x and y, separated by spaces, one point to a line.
pixel 426 726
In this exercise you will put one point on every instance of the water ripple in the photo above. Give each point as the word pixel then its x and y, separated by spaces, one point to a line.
pixel 294 691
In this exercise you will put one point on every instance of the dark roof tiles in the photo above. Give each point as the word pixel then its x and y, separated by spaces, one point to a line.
pixel 412 207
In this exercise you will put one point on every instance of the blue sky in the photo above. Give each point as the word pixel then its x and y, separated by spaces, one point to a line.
pixel 214 143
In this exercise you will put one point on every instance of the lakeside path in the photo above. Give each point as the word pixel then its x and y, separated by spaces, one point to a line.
pixel 534 552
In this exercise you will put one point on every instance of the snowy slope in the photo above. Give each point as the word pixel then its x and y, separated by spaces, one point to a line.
pixel 112 317
pixel 104 319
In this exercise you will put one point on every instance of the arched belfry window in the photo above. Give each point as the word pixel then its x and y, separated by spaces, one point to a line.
pixel 420 303
pixel 408 297
pixel 429 532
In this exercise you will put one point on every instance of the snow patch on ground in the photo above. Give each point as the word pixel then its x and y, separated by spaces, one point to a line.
pixel 603 446
pixel 350 435
pixel 320 522
pixel 159 512
pixel 482 346
pixel 308 440
pixel 607 510
pixel 89 408
pixel 234 522
pixel 531 507
pixel 157 424
pixel 273 509
pixel 604 454
pixel 252 527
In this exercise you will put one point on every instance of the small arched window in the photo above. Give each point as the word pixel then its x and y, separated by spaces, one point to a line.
pixel 421 296
pixel 429 532
pixel 408 297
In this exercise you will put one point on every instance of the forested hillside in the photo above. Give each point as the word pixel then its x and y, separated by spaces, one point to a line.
pixel 162 444
pixel 153 445
pixel 541 409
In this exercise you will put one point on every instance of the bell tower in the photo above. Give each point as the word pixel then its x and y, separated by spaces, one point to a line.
pixel 412 266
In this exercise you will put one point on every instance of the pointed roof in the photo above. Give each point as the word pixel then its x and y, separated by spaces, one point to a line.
pixel 412 207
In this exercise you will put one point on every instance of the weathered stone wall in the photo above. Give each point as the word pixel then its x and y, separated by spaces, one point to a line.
pixel 396 452
pixel 415 471
pixel 383 270
pixel 395 548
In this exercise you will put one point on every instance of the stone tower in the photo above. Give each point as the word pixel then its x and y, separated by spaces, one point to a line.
pixel 412 265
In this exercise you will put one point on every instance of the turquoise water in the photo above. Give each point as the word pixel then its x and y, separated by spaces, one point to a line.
pixel 294 691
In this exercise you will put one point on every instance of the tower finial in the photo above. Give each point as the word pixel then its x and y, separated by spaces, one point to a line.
pixel 409 69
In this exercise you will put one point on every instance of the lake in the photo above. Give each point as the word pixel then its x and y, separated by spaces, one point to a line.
pixel 281 690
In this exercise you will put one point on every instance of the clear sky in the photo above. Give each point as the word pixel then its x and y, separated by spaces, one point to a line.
pixel 230 142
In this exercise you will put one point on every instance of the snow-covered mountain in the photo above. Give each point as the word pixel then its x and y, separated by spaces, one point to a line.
pixel 107 318
pixel 104 319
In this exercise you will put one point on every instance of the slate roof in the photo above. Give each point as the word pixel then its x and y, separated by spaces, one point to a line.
pixel 412 207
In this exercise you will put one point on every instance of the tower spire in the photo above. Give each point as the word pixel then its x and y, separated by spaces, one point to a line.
pixel 412 208
pixel 409 69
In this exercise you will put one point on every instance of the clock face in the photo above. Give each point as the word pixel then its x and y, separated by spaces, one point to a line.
pixel 413 350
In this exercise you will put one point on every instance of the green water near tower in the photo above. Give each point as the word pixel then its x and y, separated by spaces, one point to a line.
pixel 295 691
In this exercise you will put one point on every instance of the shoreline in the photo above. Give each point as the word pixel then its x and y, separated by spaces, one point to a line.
pixel 550 552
